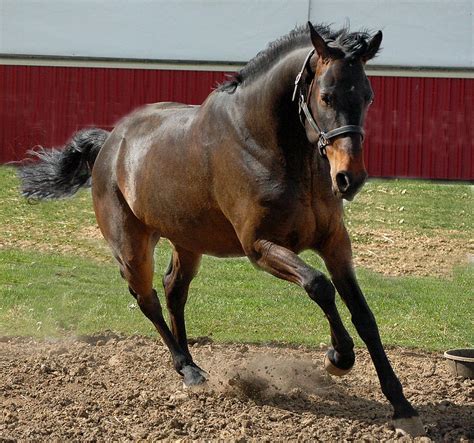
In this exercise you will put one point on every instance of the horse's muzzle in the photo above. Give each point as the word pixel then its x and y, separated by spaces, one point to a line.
pixel 347 185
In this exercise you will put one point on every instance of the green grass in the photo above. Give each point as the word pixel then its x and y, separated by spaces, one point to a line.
pixel 421 206
pixel 53 281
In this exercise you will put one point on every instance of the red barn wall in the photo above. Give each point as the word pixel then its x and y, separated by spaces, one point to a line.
pixel 417 127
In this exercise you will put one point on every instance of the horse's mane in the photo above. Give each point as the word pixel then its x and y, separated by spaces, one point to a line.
pixel 351 43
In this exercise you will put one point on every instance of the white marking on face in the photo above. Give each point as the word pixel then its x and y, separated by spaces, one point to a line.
pixel 352 87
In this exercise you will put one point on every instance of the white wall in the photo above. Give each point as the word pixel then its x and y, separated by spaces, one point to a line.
pixel 416 32
pixel 229 30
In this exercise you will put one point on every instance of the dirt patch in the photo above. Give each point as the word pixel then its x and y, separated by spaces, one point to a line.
pixel 87 242
pixel 91 232
pixel 109 387
pixel 40 246
pixel 391 251
pixel 388 251
pixel 397 252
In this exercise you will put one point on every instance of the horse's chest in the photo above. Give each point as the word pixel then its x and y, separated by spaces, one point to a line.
pixel 307 225
pixel 290 224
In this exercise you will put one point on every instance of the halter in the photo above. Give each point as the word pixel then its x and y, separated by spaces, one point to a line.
pixel 324 138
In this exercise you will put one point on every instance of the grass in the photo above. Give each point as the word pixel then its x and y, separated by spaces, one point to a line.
pixel 55 280
pixel 421 206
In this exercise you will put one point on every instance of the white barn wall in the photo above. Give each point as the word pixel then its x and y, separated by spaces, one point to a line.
pixel 416 32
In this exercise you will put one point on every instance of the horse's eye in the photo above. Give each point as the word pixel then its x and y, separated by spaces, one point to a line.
pixel 326 98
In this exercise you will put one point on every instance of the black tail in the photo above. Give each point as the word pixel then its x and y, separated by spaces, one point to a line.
pixel 60 173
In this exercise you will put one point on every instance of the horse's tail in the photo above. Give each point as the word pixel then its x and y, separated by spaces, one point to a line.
pixel 60 173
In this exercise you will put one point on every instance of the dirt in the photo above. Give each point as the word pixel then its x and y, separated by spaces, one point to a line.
pixel 109 387
pixel 388 251
pixel 397 252
pixel 392 252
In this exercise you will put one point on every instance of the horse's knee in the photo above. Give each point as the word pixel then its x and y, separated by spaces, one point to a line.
pixel 321 290
pixel 257 251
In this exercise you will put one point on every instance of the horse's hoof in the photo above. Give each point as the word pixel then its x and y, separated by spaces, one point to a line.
pixel 193 376
pixel 411 426
pixel 334 370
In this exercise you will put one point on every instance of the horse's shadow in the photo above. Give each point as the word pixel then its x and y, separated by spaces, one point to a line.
pixel 443 422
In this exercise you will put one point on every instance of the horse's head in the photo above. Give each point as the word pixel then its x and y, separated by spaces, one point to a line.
pixel 338 98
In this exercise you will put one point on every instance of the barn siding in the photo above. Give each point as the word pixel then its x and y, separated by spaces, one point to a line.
pixel 417 127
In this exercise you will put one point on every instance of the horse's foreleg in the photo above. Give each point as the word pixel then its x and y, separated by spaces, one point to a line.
pixel 286 265
pixel 181 270
pixel 337 256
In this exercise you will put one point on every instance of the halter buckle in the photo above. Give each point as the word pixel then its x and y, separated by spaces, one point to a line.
pixel 323 141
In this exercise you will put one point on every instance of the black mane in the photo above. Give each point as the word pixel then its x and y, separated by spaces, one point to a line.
pixel 351 43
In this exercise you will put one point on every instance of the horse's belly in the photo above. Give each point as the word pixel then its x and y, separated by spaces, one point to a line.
pixel 210 234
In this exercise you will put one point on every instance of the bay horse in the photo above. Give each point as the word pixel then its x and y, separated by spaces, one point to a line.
pixel 260 170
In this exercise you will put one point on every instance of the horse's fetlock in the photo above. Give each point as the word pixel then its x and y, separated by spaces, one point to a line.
pixel 180 361
pixel 392 389
pixel 340 359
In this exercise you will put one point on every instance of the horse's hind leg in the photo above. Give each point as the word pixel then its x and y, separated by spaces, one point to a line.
pixel 181 270
pixel 133 245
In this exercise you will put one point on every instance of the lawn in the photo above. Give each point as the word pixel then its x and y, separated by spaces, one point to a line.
pixel 57 276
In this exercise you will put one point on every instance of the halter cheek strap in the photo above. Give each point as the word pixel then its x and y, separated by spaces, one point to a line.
pixel 324 137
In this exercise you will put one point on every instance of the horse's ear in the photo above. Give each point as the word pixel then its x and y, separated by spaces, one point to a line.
pixel 318 42
pixel 372 47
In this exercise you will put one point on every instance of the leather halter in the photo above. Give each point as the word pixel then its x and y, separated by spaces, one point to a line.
pixel 324 137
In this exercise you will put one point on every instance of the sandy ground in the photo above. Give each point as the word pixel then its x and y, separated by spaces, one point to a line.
pixel 108 387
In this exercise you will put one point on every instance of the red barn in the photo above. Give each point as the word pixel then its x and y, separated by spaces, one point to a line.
pixel 67 65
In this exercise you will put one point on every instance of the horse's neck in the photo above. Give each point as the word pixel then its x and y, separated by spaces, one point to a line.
pixel 269 112
pixel 273 121
pixel 271 117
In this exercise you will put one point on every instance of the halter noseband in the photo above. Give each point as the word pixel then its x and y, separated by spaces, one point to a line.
pixel 324 138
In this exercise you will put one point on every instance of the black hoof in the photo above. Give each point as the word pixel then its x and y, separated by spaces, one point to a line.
pixel 337 364
pixel 193 376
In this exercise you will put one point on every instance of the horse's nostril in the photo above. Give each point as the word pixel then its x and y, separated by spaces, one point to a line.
pixel 343 181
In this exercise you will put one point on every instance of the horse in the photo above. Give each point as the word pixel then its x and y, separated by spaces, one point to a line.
pixel 260 170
